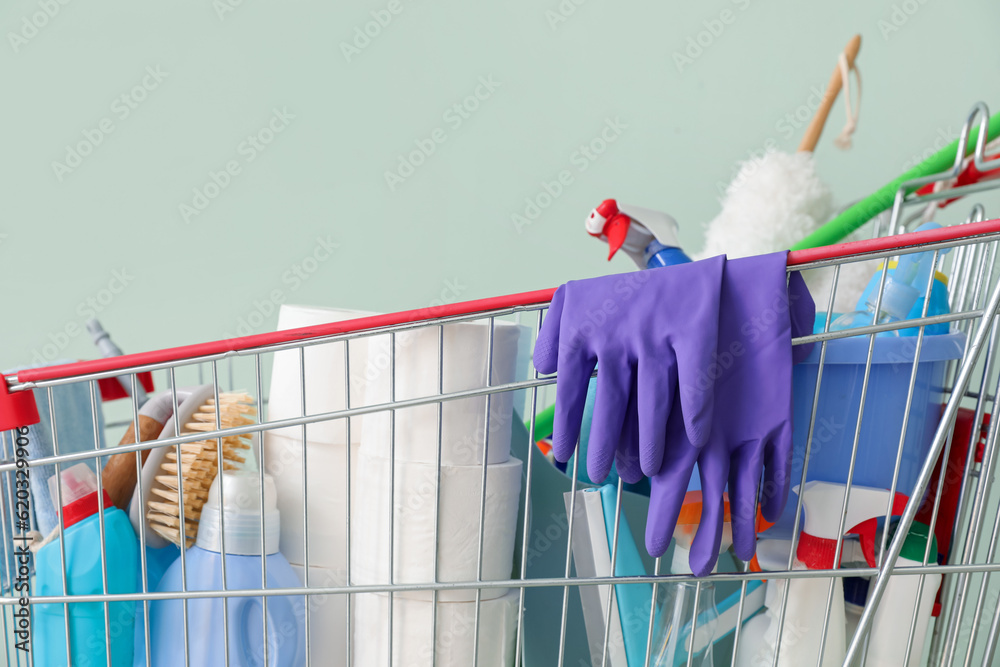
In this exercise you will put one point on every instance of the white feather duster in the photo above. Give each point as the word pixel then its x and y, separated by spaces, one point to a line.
pixel 773 202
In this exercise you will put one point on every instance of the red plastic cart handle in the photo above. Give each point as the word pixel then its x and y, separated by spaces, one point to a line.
pixel 17 409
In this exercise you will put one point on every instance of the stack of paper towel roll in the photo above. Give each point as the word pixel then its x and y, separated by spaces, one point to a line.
pixel 428 521
pixel 325 450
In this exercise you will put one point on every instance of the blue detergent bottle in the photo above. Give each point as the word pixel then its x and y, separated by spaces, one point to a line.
pixel 939 289
pixel 903 297
pixel 233 505
pixel 81 519
pixel 899 296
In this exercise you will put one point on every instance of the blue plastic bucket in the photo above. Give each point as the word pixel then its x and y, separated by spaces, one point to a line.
pixel 882 420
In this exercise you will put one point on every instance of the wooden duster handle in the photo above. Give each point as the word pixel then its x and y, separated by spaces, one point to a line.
pixel 119 475
pixel 815 129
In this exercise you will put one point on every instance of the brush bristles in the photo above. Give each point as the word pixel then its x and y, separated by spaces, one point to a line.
pixel 199 464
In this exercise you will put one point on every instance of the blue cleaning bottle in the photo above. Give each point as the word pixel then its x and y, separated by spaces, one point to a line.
pixel 234 508
pixel 939 289
pixel 85 576
pixel 904 296
pixel 898 298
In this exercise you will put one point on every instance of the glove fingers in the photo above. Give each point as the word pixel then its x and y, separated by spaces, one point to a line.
pixel 777 472
pixel 613 390
pixel 657 379
pixel 744 478
pixel 627 454
pixel 571 398
pixel 546 353
pixel 697 367
pixel 666 495
pixel 705 547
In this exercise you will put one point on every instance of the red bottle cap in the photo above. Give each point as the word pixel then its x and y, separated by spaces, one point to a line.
pixel 81 508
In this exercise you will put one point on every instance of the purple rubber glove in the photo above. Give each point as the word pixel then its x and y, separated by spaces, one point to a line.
pixel 752 430
pixel 652 333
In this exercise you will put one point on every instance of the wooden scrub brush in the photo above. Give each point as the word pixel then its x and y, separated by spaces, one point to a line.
pixel 199 464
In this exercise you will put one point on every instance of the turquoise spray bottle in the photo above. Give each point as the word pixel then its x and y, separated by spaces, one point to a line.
pixel 85 575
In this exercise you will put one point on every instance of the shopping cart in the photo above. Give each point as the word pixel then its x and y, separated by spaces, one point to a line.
pixel 539 620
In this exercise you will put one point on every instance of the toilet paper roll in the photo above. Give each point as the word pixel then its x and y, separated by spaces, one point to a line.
pixel 327 617
pixel 414 548
pixel 465 433
pixel 327 491
pixel 325 376
pixel 413 642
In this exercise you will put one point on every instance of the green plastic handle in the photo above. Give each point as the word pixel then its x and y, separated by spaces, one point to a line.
pixel 543 423
pixel 835 230
pixel 882 199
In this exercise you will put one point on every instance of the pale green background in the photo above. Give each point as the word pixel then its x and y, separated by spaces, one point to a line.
pixel 449 225
pixel 446 233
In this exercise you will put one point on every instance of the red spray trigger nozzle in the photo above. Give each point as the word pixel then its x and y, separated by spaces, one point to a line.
pixel 616 229
pixel 608 208
pixel 608 222
pixel 600 216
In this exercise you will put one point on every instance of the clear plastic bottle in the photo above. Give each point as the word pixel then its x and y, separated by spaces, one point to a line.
pixel 675 612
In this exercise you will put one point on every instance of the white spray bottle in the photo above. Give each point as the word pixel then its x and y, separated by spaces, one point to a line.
pixel 900 605
pixel 649 237
pixel 807 598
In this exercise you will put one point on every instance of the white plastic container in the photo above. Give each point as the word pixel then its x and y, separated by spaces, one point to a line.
pixel 899 606
pixel 803 620
pixel 411 519
pixel 467 437
pixel 823 503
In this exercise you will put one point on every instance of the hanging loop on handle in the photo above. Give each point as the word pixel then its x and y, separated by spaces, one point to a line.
pixel 843 140
pixel 837 81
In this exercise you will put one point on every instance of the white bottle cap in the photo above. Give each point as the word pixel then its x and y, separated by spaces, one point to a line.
pixel 679 564
pixel 772 554
pixel 77 482
pixel 240 515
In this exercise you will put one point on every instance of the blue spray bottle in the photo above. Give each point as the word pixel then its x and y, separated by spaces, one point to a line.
pixel 235 509
pixel 903 296
pixel 939 288
pixel 85 575
pixel 649 238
